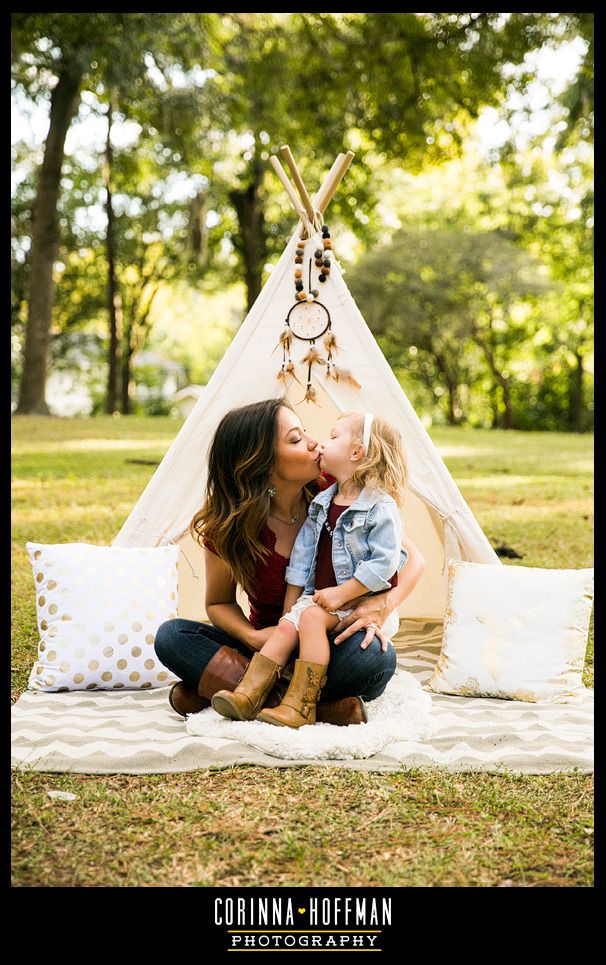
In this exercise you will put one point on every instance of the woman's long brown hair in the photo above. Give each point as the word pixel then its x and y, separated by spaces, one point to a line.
pixel 236 500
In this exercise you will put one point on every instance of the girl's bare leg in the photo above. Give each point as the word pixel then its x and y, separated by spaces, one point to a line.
pixel 313 634
pixel 283 641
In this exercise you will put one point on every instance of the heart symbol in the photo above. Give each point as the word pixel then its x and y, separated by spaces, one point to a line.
pixel 301 911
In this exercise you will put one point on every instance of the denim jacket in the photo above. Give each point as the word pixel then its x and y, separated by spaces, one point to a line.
pixel 366 542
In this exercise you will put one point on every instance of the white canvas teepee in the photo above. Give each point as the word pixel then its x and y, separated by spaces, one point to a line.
pixel 436 516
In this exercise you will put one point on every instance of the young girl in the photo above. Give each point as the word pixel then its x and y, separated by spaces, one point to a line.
pixel 349 546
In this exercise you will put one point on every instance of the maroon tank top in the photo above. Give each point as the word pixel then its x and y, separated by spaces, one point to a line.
pixel 325 574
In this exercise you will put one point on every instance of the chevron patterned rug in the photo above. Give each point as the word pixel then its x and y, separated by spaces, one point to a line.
pixel 137 732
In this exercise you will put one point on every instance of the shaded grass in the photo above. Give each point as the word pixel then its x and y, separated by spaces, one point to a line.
pixel 77 480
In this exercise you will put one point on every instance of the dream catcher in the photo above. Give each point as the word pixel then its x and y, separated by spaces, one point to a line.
pixel 309 319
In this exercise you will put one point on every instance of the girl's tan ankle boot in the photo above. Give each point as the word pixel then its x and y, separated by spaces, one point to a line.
pixel 299 704
pixel 245 702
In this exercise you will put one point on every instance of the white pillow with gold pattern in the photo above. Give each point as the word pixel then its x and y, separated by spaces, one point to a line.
pixel 515 632
pixel 98 610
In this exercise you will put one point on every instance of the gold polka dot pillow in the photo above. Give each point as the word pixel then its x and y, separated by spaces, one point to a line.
pixel 98 610
pixel 515 632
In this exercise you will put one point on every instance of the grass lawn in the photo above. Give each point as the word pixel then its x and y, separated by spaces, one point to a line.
pixel 77 480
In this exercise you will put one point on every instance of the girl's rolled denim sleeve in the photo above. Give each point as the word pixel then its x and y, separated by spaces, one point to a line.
pixel 301 557
pixel 385 544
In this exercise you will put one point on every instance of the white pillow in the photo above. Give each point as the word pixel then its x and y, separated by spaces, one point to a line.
pixel 515 632
pixel 98 610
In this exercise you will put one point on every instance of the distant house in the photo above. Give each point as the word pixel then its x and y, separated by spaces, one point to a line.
pixel 78 373
pixel 67 395
pixel 156 376
pixel 185 399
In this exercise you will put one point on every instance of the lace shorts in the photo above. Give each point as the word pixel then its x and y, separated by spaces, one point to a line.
pixel 305 601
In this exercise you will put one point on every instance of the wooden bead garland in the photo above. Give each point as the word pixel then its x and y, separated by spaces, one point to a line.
pixel 321 261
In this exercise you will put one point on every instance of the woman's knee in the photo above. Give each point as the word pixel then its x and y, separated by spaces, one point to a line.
pixel 362 672
pixel 376 684
pixel 371 660
pixel 166 639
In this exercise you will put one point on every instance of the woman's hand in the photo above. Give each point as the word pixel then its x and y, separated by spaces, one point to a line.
pixel 257 638
pixel 369 615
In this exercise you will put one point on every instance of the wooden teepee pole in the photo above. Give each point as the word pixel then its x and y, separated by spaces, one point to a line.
pixel 275 163
pixel 319 195
pixel 335 176
pixel 294 170
pixel 327 190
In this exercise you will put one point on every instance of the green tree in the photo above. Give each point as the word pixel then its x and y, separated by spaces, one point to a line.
pixel 67 65
pixel 451 297
pixel 214 94
pixel 54 55
pixel 552 192
pixel 392 87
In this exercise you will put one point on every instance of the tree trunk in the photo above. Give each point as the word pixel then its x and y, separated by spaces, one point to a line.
pixel 45 242
pixel 451 387
pixel 575 395
pixel 508 415
pixel 198 234
pixel 127 353
pixel 251 243
pixel 508 418
pixel 494 404
pixel 112 288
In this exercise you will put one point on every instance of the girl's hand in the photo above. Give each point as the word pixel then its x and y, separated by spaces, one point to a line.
pixel 330 598
pixel 369 615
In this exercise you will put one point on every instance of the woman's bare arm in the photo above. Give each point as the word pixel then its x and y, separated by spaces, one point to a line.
pixel 221 606
pixel 376 609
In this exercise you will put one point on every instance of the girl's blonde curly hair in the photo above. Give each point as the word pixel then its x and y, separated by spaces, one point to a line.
pixel 384 466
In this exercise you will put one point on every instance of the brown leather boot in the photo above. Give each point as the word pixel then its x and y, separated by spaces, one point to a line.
pixel 224 669
pixel 185 700
pixel 342 712
pixel 247 699
pixel 299 704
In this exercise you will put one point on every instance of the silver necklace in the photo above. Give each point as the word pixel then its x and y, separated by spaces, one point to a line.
pixel 293 519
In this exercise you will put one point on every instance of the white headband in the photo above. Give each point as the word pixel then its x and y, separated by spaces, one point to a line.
pixel 368 417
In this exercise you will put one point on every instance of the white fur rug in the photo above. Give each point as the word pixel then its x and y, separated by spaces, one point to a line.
pixel 402 712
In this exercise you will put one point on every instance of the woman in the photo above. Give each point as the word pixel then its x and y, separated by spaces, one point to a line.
pixel 263 471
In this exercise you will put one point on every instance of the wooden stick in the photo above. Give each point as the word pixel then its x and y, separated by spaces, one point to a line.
pixel 336 176
pixel 299 182
pixel 318 197
pixel 275 163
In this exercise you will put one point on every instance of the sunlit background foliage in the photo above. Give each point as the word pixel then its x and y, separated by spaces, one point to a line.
pixel 464 224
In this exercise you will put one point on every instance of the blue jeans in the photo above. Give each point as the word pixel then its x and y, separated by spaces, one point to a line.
pixel 186 646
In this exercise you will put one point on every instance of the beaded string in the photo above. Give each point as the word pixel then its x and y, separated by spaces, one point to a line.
pixel 322 261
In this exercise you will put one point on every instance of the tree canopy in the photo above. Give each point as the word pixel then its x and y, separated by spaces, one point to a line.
pixel 179 196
